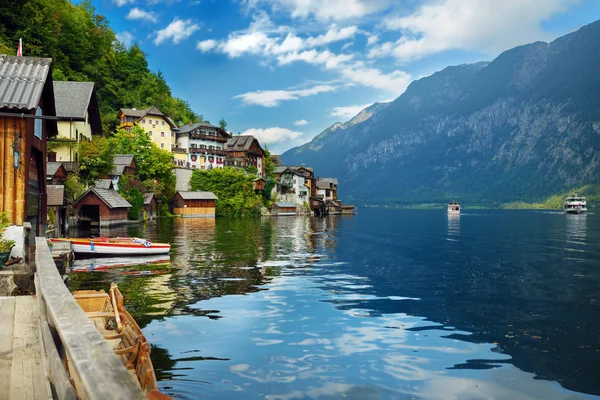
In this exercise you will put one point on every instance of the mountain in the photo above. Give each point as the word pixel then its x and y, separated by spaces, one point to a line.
pixel 522 127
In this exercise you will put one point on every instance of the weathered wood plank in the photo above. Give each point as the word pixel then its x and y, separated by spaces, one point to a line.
pixel 98 372
pixel 28 380
pixel 7 315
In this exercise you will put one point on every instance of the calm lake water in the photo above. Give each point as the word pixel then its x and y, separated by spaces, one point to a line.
pixel 387 304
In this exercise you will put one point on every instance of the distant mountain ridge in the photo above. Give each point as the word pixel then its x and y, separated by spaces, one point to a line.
pixel 522 127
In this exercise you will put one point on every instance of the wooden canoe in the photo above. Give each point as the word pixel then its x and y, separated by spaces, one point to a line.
pixel 104 246
pixel 122 333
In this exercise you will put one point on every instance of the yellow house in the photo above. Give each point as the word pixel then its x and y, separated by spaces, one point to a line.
pixel 78 119
pixel 152 120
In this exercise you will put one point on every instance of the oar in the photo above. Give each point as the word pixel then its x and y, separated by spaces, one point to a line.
pixel 113 299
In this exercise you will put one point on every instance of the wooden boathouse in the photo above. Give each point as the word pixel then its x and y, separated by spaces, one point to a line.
pixel 27 119
pixel 102 207
pixel 151 205
pixel 195 204
pixel 282 209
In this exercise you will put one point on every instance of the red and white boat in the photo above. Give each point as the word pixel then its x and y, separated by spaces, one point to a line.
pixel 120 246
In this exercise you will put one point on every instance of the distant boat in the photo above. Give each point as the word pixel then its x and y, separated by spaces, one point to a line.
pixel 453 208
pixel 120 246
pixel 122 333
pixel 575 205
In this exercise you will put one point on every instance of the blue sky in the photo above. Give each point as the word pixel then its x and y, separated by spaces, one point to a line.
pixel 285 70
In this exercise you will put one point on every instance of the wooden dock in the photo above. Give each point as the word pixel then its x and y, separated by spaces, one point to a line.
pixel 21 369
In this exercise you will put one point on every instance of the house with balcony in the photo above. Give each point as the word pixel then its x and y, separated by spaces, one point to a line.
pixel 327 188
pixel 244 151
pixel 203 145
pixel 160 127
pixel 78 119
pixel 293 185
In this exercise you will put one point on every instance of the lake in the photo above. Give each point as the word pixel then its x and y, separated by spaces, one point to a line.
pixel 386 304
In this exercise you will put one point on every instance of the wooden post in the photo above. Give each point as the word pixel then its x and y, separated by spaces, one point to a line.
pixel 9 190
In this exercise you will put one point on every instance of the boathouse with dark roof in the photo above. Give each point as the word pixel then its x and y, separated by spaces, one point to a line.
pixel 101 207
pixel 195 204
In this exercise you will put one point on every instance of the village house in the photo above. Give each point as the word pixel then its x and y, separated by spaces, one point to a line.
pixel 327 188
pixel 27 119
pixel 101 207
pixel 193 204
pixel 124 164
pixel 281 209
pixel 55 173
pixel 160 127
pixel 244 151
pixel 203 144
pixel 259 184
pixel 151 205
pixel 78 119
pixel 294 184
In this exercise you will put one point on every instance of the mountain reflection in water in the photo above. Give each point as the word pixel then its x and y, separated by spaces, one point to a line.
pixel 385 304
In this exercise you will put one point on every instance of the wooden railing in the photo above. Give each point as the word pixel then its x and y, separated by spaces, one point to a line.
pixel 71 342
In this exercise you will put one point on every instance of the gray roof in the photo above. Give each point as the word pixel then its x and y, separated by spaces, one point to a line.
pixel 280 168
pixel 240 142
pixel 22 81
pixel 134 112
pixel 330 180
pixel 284 204
pixel 55 195
pixel 148 198
pixel 121 161
pixel 72 98
pixel 191 127
pixel 103 183
pixel 110 197
pixel 326 182
pixel 52 168
pixel 189 195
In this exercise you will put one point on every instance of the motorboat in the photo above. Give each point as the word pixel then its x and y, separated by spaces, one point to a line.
pixel 122 333
pixel 121 246
pixel 575 205
pixel 453 208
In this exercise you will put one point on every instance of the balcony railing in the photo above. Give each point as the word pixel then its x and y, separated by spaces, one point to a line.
pixel 208 137
pixel 197 150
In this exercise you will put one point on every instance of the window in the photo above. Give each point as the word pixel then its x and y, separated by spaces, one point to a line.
pixel 162 145
pixel 150 121
pixel 172 134
pixel 163 123
pixel 37 125
pixel 162 134
pixel 150 133
pixel 143 120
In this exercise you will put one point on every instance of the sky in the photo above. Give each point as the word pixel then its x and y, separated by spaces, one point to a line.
pixel 285 70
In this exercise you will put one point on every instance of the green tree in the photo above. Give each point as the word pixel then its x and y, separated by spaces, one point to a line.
pixel 234 189
pixel 223 124
pixel 96 159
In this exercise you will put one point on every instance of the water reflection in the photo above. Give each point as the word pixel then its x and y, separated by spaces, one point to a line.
pixel 453 226
pixel 576 228
pixel 374 306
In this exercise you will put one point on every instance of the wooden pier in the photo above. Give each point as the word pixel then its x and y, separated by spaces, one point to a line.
pixel 22 373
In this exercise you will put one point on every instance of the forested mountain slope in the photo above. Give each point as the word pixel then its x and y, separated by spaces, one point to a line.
pixel 522 127
pixel 84 48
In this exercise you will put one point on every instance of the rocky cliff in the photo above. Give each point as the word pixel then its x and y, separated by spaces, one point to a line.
pixel 521 127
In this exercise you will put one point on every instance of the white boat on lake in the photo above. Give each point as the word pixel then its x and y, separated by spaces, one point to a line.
pixel 453 208
pixel 575 205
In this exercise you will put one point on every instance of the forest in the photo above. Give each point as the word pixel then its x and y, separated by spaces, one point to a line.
pixel 85 49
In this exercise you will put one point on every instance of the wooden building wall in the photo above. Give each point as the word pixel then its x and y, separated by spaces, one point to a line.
pixel 194 208
pixel 12 188
pixel 106 213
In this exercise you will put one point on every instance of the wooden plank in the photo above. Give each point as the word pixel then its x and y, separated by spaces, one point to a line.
pixel 7 315
pixel 28 380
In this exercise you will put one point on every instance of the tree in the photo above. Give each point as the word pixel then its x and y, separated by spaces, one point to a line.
pixel 96 158
pixel 223 124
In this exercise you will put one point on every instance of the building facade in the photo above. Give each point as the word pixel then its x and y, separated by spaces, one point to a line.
pixel 193 204
pixel 78 119
pixel 244 151
pixel 160 127
pixel 203 145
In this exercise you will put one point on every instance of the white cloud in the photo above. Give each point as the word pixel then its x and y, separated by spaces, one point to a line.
pixel 482 25
pixel 348 112
pixel 395 82
pixel 176 31
pixel 121 3
pixel 301 122
pixel 347 46
pixel 273 135
pixel 251 43
pixel 136 13
pixel 372 39
pixel 272 98
pixel 325 58
pixel 126 38
pixel 333 34
pixel 323 10
pixel 206 45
